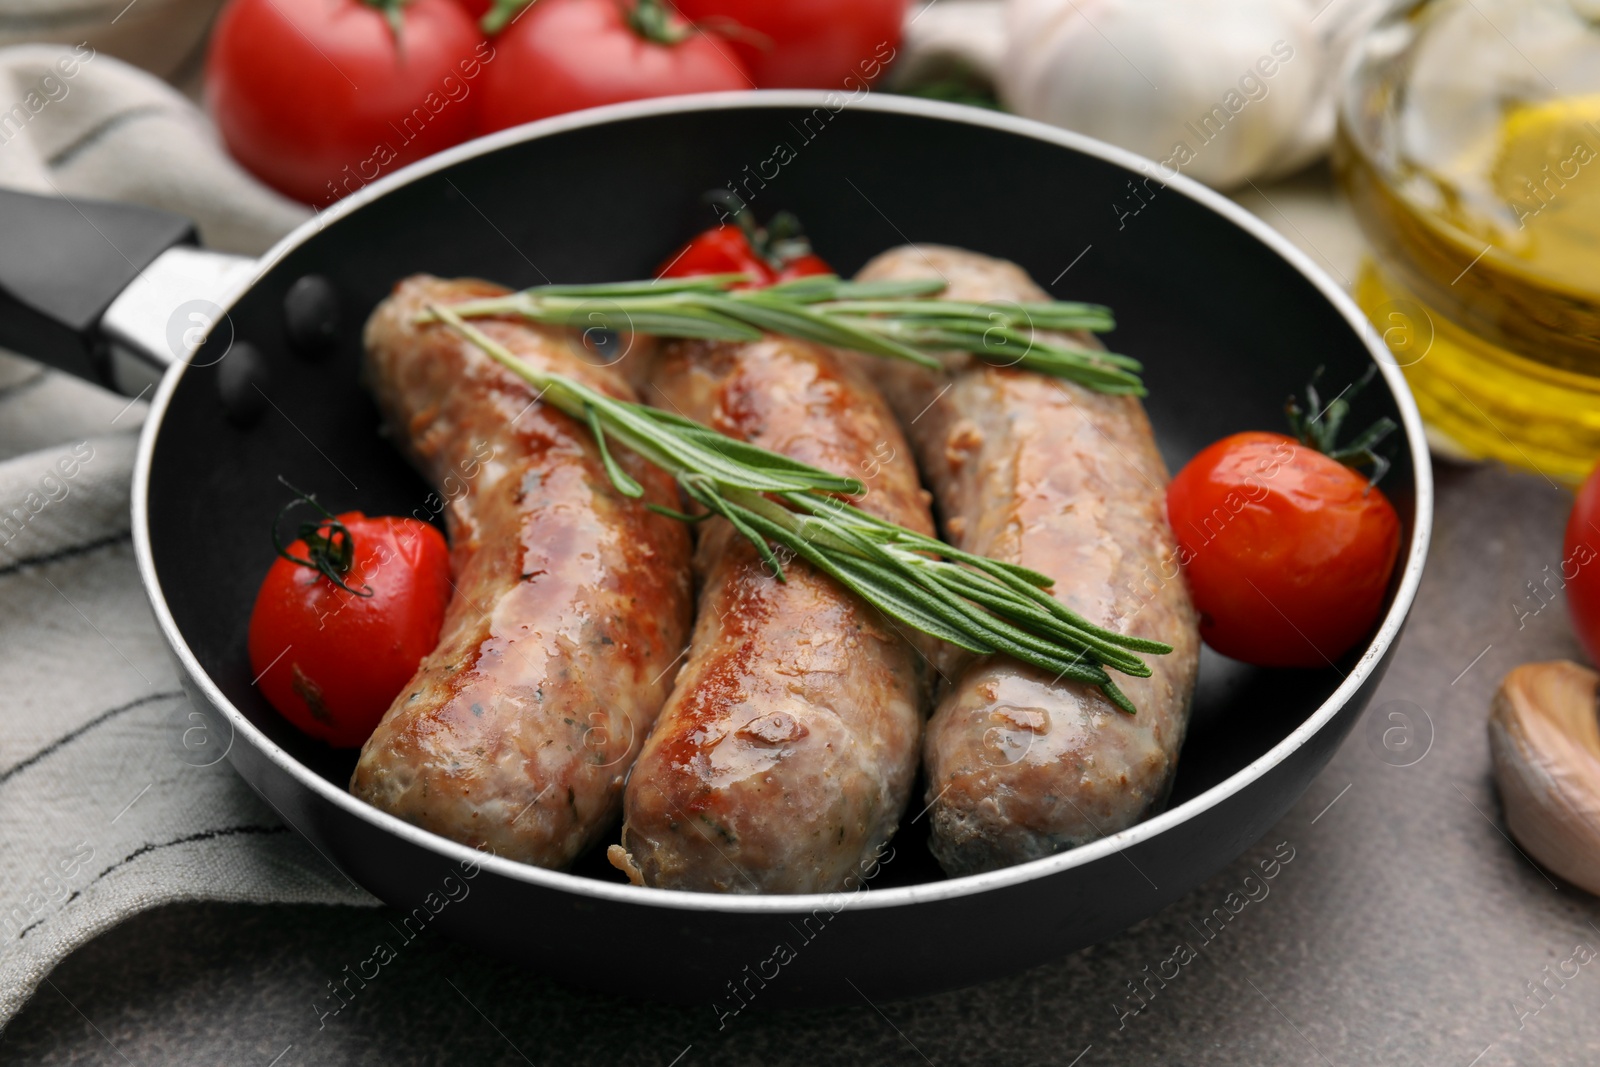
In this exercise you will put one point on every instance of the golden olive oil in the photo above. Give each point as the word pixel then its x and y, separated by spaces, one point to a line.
pixel 1485 275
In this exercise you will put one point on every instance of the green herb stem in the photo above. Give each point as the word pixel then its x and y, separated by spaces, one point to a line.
pixel 893 319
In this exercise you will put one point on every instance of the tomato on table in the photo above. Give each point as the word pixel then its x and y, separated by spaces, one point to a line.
pixel 1580 566
pixel 776 252
pixel 808 44
pixel 1287 550
pixel 319 97
pixel 344 617
pixel 562 55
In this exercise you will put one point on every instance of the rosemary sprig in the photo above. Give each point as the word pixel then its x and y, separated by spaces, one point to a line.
pixel 880 318
pixel 979 604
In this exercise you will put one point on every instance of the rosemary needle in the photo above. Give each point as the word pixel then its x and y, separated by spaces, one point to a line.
pixel 979 604
pixel 889 318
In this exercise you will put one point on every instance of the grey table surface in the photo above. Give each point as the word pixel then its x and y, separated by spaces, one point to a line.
pixel 1407 929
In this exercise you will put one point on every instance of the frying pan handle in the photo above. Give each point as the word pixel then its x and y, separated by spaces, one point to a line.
pixel 62 265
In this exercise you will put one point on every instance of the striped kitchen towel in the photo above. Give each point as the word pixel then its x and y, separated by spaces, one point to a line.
pixel 112 797
pixel 76 122
pixel 109 802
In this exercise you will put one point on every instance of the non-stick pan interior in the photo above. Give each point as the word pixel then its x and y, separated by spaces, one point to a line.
pixel 1226 329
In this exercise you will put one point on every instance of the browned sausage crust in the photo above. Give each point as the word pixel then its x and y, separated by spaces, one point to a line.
pixel 787 750
pixel 1067 481
pixel 571 601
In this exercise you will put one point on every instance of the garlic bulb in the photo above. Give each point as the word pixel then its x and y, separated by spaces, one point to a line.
pixel 1544 737
pixel 1222 90
pixel 950 37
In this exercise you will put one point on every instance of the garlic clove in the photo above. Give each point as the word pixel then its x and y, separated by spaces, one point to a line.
pixel 1544 738
pixel 1184 82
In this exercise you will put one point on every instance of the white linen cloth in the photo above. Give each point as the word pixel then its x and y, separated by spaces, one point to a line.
pixel 112 798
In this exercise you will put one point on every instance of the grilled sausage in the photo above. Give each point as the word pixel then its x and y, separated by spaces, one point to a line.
pixel 1067 481
pixel 571 601
pixel 787 750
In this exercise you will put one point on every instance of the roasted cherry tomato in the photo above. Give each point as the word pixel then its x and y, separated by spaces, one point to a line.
pixel 807 44
pixel 720 250
pixel 1287 551
pixel 319 97
pixel 777 252
pixel 563 55
pixel 1580 566
pixel 344 617
pixel 801 265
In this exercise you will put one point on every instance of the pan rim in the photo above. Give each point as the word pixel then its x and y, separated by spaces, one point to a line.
pixel 788 904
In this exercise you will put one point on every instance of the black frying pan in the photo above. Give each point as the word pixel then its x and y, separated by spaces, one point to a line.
pixel 1227 316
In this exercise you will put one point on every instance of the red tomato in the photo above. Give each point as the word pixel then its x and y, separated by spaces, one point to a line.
pixel 808 44
pixel 318 97
pixel 720 250
pixel 1581 561
pixel 476 8
pixel 563 55
pixel 769 255
pixel 802 265
pixel 332 661
pixel 1287 552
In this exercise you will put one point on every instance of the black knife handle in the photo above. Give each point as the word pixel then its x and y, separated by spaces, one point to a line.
pixel 62 262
